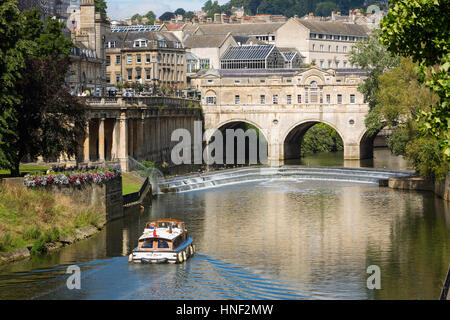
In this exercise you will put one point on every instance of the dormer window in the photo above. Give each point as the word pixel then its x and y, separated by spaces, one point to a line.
pixel 139 43
pixel 111 44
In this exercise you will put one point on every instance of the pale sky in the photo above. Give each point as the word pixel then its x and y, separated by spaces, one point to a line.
pixel 120 9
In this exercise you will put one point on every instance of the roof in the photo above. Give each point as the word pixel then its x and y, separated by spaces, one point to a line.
pixel 240 28
pixel 248 52
pixel 174 26
pixel 288 55
pixel 205 41
pixel 127 38
pixel 337 28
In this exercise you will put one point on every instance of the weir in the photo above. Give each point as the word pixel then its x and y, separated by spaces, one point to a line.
pixel 234 176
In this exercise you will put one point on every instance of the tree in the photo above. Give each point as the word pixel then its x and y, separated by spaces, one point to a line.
pixel 397 110
pixel 167 16
pixel 371 56
pixel 324 9
pixel 137 17
pixel 419 28
pixel 180 11
pixel 49 120
pixel 151 16
pixel 100 6
pixel 189 15
pixel 11 64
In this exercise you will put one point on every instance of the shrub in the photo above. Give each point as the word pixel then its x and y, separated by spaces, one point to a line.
pixel 87 218
pixel 32 233
pixel 39 246
pixel 5 242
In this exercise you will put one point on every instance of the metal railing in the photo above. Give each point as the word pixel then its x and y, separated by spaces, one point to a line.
pixel 144 101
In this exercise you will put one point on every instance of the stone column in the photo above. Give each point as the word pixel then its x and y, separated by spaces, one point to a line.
pixel 86 144
pixel 115 139
pixel 140 138
pixel 131 137
pixel 123 144
pixel 101 140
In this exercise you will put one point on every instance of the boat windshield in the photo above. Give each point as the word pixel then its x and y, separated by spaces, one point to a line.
pixel 147 244
pixel 163 244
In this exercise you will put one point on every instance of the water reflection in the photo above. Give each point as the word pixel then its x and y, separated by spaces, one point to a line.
pixel 275 239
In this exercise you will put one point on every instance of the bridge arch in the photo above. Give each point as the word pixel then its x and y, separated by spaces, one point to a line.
pixel 293 136
pixel 239 123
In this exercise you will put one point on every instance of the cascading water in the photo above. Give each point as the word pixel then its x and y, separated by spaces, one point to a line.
pixel 234 176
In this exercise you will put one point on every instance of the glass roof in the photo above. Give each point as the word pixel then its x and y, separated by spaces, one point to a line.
pixel 134 28
pixel 248 52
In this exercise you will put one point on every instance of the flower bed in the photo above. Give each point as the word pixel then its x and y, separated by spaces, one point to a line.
pixel 73 177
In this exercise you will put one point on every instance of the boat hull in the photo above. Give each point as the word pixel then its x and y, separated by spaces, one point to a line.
pixel 159 257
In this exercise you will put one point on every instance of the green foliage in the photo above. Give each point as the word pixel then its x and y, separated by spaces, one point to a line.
pixel 419 28
pixel 427 158
pixel 151 16
pixel 11 64
pixel 321 138
pixel 40 109
pixel 372 57
pixel 5 242
pixel 324 9
pixel 87 218
pixel 166 16
pixel 180 11
pixel 32 233
pixel 39 247
pixel 148 164
pixel 137 17
pixel 100 6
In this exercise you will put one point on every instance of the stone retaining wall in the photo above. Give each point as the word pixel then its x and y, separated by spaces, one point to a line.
pixel 440 188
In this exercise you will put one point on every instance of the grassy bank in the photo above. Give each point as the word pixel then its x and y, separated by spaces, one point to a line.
pixel 130 183
pixel 24 169
pixel 36 217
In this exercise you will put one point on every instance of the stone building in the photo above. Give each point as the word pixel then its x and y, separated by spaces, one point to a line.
pixel 154 58
pixel 323 43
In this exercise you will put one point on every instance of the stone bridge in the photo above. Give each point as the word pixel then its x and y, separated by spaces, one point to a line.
pixel 284 104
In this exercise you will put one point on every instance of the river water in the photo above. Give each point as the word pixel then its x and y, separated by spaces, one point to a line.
pixel 273 239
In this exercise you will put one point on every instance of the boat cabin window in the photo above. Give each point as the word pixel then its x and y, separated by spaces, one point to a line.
pixel 163 244
pixel 147 244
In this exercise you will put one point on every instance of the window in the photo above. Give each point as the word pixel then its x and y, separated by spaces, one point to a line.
pixel 337 48
pixel 138 73
pixel 337 64
pixel 329 48
pixel 312 35
pixel 344 38
pixel 345 48
pixel 204 63
pixel 237 99
pixel 147 74
pixel 345 64
pixel 129 59
pixel 306 95
pixel 275 99
pixel 321 47
pixel 138 58
pixel 320 36
pixel 108 60
pixel 313 47
pixel 262 99
pixel 147 58
pixel 117 59
pixel 163 244
pixel 111 44
pixel 140 43
pixel 329 36
pixel 130 74
pixel 321 63
pixel 147 245
pixel 339 98
pixel 117 78
pixel 299 98
pixel 352 98
pixel 336 37
pixel 329 63
pixel 108 78
pixel 289 99
pixel 313 92
pixel 210 99
pixel 328 97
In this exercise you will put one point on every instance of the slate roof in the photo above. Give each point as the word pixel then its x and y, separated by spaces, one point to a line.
pixel 205 41
pixel 337 28
pixel 240 28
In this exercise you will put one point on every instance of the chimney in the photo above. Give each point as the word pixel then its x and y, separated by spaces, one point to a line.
pixel 333 16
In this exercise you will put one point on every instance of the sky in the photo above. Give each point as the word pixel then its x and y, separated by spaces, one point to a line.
pixel 121 9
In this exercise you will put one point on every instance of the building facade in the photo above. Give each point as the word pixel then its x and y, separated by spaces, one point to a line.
pixel 323 43
pixel 152 58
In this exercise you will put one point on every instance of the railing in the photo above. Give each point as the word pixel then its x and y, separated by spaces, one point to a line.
pixel 135 196
pixel 143 101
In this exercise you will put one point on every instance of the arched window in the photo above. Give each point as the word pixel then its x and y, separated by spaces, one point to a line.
pixel 313 92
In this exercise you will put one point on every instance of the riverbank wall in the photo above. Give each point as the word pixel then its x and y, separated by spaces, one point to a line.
pixel 440 187
pixel 62 207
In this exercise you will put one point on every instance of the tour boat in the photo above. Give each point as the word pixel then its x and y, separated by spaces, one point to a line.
pixel 163 241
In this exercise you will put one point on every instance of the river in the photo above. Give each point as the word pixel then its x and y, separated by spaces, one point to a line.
pixel 272 239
